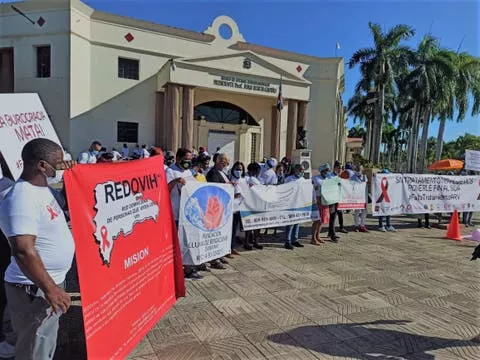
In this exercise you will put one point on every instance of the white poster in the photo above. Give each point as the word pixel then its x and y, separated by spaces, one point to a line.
pixel 205 223
pixel 271 206
pixel 22 118
pixel 472 160
pixel 417 194
pixel 353 195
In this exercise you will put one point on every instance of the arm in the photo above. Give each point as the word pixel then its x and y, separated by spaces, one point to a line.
pixel 29 261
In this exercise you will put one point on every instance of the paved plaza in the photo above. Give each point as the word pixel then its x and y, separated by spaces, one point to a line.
pixel 404 295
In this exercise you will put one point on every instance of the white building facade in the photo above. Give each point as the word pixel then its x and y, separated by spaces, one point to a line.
pixel 121 80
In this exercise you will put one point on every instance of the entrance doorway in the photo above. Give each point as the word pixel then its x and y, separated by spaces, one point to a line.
pixel 225 140
pixel 7 78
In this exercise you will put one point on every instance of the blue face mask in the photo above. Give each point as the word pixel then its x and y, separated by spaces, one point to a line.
pixel 237 173
pixel 95 152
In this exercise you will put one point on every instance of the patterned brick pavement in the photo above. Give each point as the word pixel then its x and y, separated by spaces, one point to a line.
pixel 405 295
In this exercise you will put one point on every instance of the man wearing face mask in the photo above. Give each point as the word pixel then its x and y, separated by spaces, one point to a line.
pixel 42 251
pixel 90 156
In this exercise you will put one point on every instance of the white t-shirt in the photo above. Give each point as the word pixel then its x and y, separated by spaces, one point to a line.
pixel 175 172
pixel 269 177
pixel 145 153
pixel 87 157
pixel 33 210
pixel 5 185
pixel 252 180
pixel 317 183
pixel 116 155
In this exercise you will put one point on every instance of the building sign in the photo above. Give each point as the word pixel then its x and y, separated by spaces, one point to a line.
pixel 244 84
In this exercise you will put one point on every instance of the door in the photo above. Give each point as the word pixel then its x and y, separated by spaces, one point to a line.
pixel 6 71
pixel 225 140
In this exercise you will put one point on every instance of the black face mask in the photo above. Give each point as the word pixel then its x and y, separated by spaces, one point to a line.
pixel 186 164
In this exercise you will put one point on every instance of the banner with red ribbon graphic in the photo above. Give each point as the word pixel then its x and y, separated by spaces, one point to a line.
pixel 395 194
pixel 127 251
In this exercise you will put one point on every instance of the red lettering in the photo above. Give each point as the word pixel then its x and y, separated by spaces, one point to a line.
pixel 2 122
pixel 9 120
pixel 38 130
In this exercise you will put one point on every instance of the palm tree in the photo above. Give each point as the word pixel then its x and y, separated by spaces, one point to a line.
pixel 464 84
pixel 379 65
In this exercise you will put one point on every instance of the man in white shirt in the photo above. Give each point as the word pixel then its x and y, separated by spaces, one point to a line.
pixel 90 156
pixel 7 350
pixel 145 152
pixel 42 252
pixel 269 176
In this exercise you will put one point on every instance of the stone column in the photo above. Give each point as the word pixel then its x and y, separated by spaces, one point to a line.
pixel 275 150
pixel 187 117
pixel 302 113
pixel 292 125
pixel 172 116
pixel 160 119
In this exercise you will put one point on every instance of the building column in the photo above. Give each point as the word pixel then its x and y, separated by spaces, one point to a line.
pixel 292 125
pixel 302 114
pixel 275 150
pixel 172 116
pixel 187 117
pixel 160 119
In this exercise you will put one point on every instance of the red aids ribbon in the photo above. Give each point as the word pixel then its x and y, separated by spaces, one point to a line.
pixel 105 242
pixel 52 212
pixel 384 187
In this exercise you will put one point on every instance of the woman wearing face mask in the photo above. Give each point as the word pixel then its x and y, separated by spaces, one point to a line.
pixel 237 176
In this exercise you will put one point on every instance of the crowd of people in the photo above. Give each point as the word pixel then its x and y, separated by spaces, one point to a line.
pixel 42 248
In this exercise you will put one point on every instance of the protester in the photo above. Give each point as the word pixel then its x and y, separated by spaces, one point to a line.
pixel 293 230
pixel 7 349
pixel 125 151
pixel 387 219
pixel 280 171
pixel 42 252
pixel 90 156
pixel 145 153
pixel 237 176
pixel 178 174
pixel 106 157
pixel 324 210
pixel 251 236
pixel 217 175
pixel 269 176
pixel 137 152
pixel 116 155
pixel 337 170
pixel 426 217
pixel 197 170
pixel 467 215
pixel 169 159
pixel 360 215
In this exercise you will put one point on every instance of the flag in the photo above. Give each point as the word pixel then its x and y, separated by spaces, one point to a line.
pixel 280 97
pixel 338 45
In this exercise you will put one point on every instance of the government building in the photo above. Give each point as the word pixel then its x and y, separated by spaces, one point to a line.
pixel 121 80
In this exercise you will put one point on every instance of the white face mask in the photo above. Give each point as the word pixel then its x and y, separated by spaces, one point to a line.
pixel 56 179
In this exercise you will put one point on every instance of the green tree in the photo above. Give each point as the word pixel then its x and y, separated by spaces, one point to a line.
pixel 379 65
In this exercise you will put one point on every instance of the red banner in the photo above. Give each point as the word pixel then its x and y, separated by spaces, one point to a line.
pixel 127 251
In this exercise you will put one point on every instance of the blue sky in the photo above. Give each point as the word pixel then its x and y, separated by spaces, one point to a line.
pixel 314 27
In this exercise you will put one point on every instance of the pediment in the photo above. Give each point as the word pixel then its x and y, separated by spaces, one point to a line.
pixel 244 62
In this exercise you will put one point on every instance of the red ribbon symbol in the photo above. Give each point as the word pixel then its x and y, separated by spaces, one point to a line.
pixel 105 242
pixel 52 212
pixel 384 187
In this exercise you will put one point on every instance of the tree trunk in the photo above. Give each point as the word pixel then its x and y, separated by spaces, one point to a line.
pixel 368 139
pixel 439 145
pixel 423 143
pixel 378 124
pixel 415 139
pixel 410 140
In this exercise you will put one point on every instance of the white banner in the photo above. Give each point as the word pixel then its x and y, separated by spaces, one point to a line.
pixel 205 223
pixel 271 206
pixel 353 195
pixel 22 118
pixel 418 194
pixel 472 160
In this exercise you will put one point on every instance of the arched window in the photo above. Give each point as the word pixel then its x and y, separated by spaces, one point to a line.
pixel 223 112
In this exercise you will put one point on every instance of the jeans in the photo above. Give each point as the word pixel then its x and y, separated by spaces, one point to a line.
pixel 292 233
pixel 360 217
pixel 36 331
pixel 382 218
pixel 467 217
pixel 236 222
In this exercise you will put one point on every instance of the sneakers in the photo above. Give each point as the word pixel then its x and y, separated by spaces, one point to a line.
pixel 343 230
pixel 363 229
pixel 382 229
pixel 193 275
pixel 297 244
pixel 391 229
pixel 7 350
pixel 288 246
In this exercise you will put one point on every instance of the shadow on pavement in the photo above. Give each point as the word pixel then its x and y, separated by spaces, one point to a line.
pixel 360 341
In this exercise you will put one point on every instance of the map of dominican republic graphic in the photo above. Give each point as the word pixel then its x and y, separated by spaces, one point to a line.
pixel 208 208
pixel 119 217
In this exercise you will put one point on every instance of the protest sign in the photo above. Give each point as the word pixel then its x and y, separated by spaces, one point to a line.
pixel 472 160
pixel 270 206
pixel 331 189
pixel 353 195
pixel 127 251
pixel 22 118
pixel 205 222
pixel 417 194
